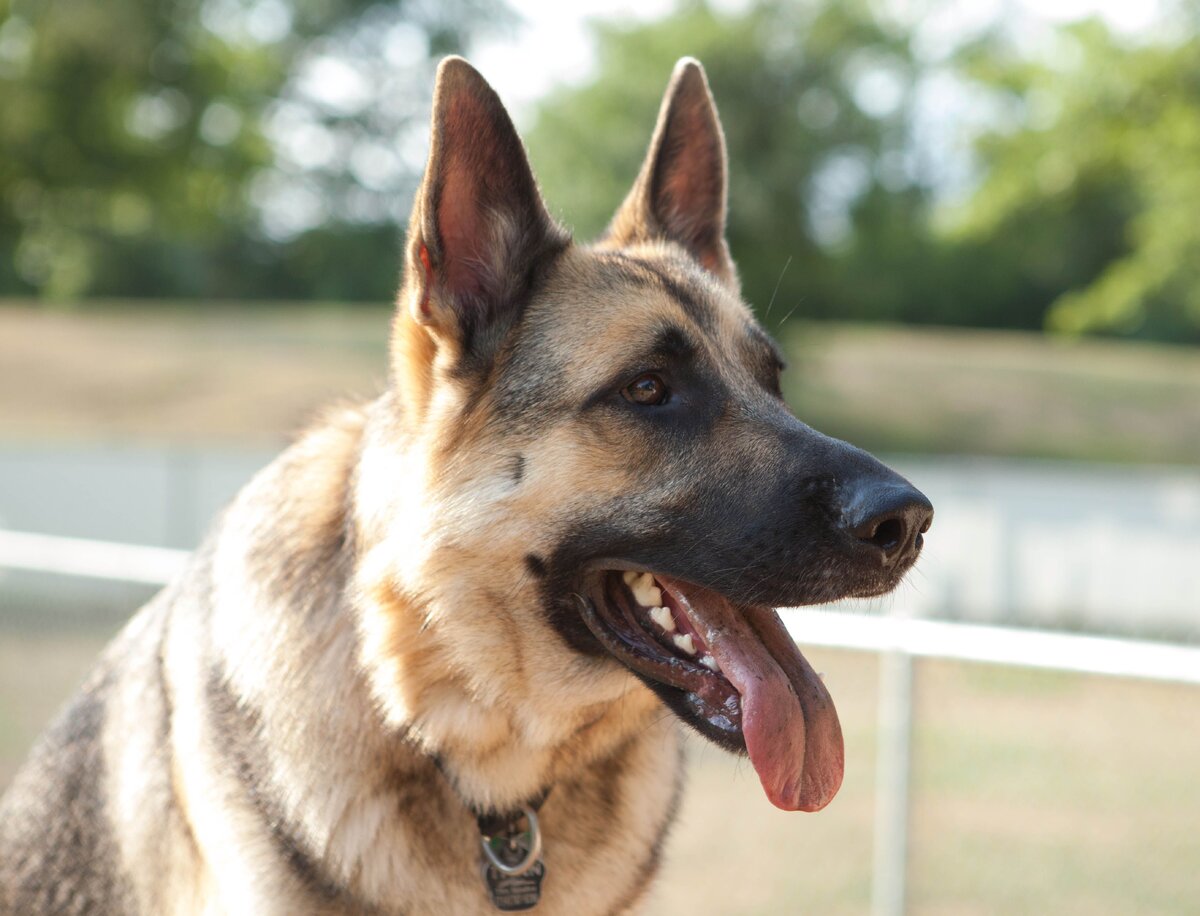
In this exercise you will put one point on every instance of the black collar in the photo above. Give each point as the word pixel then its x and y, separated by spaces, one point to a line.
pixel 506 823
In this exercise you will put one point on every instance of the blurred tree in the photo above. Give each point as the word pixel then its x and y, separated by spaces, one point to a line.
pixel 1089 201
pixel 1082 219
pixel 214 147
pixel 816 103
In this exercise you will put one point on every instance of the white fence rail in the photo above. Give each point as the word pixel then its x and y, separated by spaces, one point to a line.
pixel 898 638
pixel 91 559
pixel 813 626
pixel 974 642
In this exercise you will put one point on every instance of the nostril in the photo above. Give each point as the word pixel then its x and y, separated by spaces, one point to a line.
pixel 888 517
pixel 888 535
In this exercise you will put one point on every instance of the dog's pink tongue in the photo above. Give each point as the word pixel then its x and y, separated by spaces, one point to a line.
pixel 789 722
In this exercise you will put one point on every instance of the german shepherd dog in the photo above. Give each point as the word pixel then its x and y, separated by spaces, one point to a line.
pixel 421 664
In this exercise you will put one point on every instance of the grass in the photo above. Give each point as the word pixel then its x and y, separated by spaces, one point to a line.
pixel 250 376
pixel 1033 792
pixel 255 375
pixel 954 391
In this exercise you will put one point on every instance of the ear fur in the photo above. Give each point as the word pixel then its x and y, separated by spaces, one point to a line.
pixel 680 193
pixel 478 228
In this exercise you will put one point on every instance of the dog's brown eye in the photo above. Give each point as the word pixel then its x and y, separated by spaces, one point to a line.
pixel 648 390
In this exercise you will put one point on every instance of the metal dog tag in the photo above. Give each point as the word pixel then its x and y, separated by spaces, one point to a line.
pixel 512 864
pixel 512 893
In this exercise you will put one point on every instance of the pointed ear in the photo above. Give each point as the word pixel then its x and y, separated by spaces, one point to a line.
pixel 680 192
pixel 479 226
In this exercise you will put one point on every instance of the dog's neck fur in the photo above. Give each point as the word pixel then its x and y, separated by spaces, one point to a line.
pixel 430 610
pixel 437 703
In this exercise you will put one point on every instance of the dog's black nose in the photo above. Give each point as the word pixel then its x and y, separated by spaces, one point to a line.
pixel 890 515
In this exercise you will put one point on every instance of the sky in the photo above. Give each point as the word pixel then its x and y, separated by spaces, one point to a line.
pixel 551 45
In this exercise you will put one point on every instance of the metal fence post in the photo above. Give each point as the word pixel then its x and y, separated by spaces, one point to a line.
pixel 892 770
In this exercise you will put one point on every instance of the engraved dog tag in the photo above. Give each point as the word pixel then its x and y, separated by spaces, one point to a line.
pixel 512 861
pixel 512 893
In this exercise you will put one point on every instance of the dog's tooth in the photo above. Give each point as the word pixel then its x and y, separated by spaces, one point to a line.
pixel 685 643
pixel 664 618
pixel 630 576
pixel 709 662
pixel 645 592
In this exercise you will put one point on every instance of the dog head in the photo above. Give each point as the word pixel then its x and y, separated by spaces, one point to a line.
pixel 604 441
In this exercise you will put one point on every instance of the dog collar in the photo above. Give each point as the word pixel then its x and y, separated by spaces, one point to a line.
pixel 511 843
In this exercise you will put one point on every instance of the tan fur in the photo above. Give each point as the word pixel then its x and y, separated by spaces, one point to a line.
pixel 677 202
pixel 360 656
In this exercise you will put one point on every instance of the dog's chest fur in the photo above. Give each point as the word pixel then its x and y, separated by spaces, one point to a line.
pixel 245 757
pixel 360 724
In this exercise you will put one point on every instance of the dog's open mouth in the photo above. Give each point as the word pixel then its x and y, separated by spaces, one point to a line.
pixel 740 676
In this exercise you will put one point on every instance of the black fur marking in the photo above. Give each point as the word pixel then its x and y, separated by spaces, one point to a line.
pixel 764 340
pixel 59 855
pixel 168 710
pixel 518 471
pixel 693 304
pixel 237 729
pixel 673 343
pixel 765 358
pixel 565 617
pixel 649 866
pixel 536 566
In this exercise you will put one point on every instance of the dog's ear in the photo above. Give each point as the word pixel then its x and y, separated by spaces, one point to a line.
pixel 680 192
pixel 479 227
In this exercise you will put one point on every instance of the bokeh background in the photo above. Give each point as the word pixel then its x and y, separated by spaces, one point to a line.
pixel 973 226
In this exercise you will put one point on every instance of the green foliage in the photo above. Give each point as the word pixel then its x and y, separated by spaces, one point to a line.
pixel 788 79
pixel 1083 219
pixel 196 148
pixel 1091 202
pixel 135 141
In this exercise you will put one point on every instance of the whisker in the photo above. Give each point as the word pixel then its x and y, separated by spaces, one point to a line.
pixel 775 292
